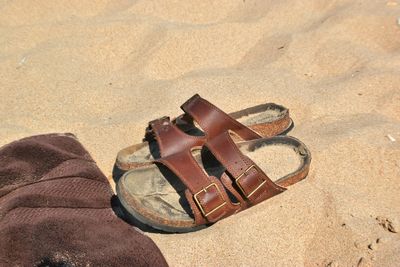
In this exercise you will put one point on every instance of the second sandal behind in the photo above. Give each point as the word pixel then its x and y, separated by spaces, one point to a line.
pixel 201 121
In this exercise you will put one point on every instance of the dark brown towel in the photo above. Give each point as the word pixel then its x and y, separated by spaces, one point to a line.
pixel 55 209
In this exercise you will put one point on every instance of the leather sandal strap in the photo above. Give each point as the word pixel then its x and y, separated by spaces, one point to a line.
pixel 170 138
pixel 206 195
pixel 213 120
pixel 253 184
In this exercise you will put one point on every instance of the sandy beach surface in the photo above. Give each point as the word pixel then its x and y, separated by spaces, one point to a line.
pixel 103 69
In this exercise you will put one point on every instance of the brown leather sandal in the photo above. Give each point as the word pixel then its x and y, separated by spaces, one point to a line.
pixel 264 120
pixel 185 191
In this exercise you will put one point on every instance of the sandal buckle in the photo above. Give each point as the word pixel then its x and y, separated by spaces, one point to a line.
pixel 248 195
pixel 195 196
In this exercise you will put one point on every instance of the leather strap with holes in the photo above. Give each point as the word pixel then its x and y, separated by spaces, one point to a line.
pixel 211 119
pixel 208 195
pixel 171 139
pixel 252 183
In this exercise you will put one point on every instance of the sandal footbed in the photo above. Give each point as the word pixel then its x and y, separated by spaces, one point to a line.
pixel 155 196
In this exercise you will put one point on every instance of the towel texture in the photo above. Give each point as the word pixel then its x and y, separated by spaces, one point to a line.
pixel 56 209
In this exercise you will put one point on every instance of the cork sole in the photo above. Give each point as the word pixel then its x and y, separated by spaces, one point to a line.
pixel 267 120
pixel 154 196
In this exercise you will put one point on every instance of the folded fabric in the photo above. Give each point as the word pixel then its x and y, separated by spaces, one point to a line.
pixel 55 209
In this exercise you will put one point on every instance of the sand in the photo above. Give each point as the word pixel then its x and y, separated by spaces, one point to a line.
pixel 103 69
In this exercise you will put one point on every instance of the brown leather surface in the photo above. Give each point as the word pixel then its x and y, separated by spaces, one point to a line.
pixel 253 184
pixel 211 119
pixel 206 195
pixel 171 139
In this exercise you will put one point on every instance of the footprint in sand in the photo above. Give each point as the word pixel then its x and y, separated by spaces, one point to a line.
pixel 388 224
